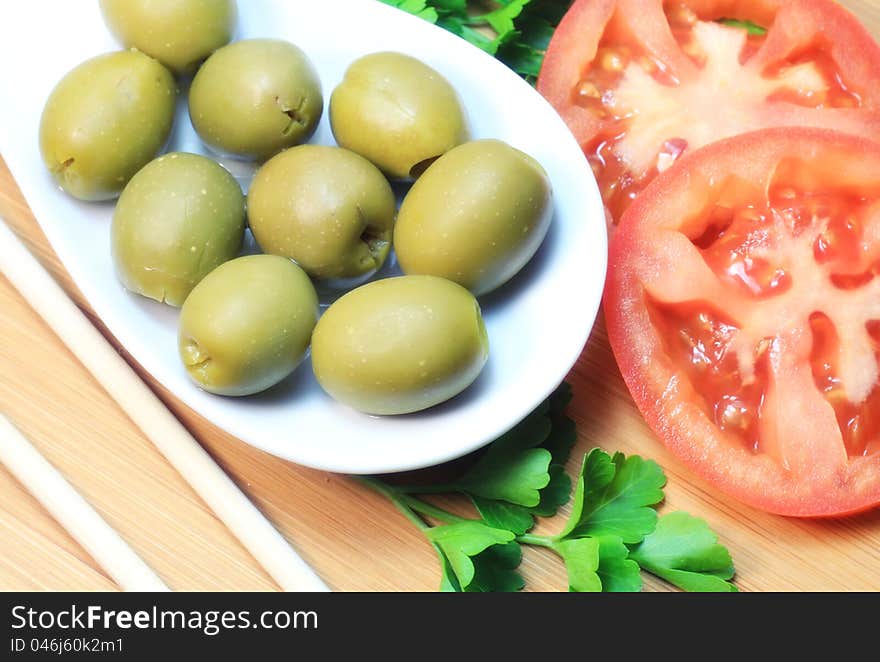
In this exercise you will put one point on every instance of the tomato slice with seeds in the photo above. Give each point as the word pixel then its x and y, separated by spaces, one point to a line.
pixel 641 82
pixel 743 307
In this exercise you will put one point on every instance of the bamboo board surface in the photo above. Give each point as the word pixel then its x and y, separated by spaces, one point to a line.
pixel 354 539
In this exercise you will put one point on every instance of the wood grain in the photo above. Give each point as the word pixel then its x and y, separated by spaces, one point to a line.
pixel 353 538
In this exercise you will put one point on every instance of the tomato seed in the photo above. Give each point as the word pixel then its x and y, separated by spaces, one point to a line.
pixel 682 16
pixel 733 414
pixel 588 90
pixel 612 60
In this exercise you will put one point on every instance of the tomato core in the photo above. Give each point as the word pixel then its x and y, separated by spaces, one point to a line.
pixel 769 253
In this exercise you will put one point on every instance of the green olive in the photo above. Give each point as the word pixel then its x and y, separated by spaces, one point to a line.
pixel 400 345
pixel 398 112
pixel 178 33
pixel 104 121
pixel 247 324
pixel 476 216
pixel 256 97
pixel 180 216
pixel 327 208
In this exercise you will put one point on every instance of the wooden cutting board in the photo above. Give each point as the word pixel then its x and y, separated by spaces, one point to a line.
pixel 354 539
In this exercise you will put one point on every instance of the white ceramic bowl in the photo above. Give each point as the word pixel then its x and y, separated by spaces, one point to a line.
pixel 538 323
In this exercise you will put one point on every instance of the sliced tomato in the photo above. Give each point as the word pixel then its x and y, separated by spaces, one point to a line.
pixel 743 307
pixel 641 82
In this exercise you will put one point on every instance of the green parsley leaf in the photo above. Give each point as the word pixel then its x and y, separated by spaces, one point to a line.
pixel 495 570
pixel 448 580
pixel 519 519
pixel 451 6
pixel 556 494
pixel 512 469
pixel 478 39
pixel 748 26
pixel 535 25
pixel 558 440
pixel 581 558
pixel 684 551
pixel 618 573
pixel 614 496
pixel 517 477
pixel 503 515
pixel 416 7
pixel 502 19
pixel 460 543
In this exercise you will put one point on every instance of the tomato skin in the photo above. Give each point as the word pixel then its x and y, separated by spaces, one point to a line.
pixel 832 485
pixel 571 47
pixel 795 26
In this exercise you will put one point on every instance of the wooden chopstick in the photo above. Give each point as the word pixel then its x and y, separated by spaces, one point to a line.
pixel 145 409
pixel 74 513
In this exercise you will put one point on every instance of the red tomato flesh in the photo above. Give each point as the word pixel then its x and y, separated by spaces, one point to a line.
pixel 640 82
pixel 743 307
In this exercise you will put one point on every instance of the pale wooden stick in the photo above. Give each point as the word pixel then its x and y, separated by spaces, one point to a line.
pixel 178 446
pixel 74 513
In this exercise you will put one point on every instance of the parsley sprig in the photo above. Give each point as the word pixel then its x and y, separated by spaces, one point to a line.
pixel 517 32
pixel 613 533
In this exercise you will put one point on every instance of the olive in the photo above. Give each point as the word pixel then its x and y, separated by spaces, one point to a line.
pixel 178 33
pixel 326 207
pixel 247 324
pixel 104 121
pixel 400 345
pixel 178 218
pixel 396 111
pixel 256 97
pixel 476 216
